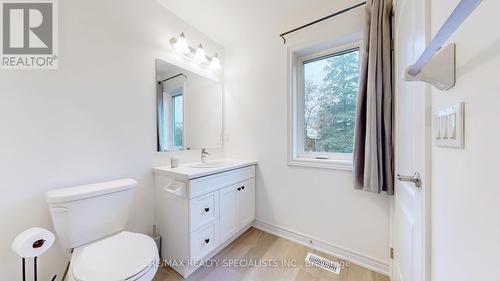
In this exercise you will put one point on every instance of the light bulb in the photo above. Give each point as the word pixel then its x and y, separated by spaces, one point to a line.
pixel 181 45
pixel 200 55
pixel 215 63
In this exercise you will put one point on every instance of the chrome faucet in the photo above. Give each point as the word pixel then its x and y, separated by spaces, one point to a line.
pixel 204 155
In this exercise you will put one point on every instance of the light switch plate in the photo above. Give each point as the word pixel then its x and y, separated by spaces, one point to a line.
pixel 450 126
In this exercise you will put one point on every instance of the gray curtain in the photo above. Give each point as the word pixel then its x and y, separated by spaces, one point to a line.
pixel 373 148
pixel 160 113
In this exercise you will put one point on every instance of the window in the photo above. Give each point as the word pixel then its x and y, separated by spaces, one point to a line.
pixel 173 119
pixel 324 93
pixel 177 121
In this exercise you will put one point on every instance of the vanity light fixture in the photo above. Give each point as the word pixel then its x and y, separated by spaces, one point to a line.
pixel 181 45
pixel 215 62
pixel 200 56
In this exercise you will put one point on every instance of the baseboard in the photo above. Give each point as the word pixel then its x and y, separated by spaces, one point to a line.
pixel 336 251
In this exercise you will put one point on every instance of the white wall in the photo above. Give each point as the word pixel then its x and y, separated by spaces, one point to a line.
pixel 465 189
pixel 318 203
pixel 92 119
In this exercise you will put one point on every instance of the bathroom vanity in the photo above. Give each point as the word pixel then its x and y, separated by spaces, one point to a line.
pixel 200 210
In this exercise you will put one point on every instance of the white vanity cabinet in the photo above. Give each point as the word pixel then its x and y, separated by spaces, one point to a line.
pixel 199 211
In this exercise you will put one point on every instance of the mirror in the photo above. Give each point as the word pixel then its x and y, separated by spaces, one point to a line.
pixel 189 109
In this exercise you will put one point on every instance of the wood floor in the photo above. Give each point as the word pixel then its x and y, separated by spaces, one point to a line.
pixel 256 248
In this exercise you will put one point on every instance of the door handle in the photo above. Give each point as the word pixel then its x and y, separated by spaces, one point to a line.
pixel 415 179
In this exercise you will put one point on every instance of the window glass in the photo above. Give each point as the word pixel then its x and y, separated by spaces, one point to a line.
pixel 177 126
pixel 331 86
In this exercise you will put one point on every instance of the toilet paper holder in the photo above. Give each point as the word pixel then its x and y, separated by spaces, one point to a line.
pixel 32 243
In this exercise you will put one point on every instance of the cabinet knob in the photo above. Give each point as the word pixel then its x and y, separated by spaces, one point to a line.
pixel 239 188
pixel 243 187
pixel 207 240
pixel 207 209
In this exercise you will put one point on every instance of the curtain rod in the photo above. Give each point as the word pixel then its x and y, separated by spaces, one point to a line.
pixel 282 35
pixel 175 76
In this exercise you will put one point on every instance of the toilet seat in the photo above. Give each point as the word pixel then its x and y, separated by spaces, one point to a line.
pixel 123 256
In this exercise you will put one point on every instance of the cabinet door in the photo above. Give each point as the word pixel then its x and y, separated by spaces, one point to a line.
pixel 246 202
pixel 229 217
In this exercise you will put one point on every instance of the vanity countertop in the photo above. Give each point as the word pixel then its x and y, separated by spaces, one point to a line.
pixel 187 172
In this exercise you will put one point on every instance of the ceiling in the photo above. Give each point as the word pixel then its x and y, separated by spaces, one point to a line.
pixel 165 70
pixel 227 21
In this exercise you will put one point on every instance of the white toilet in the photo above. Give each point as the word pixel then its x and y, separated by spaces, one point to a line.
pixel 90 219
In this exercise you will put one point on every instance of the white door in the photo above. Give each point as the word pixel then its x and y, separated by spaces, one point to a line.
pixel 229 216
pixel 247 202
pixel 409 211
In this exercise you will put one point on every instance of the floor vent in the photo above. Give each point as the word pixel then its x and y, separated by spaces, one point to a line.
pixel 327 264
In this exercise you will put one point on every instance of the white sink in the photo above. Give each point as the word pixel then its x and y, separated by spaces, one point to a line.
pixel 211 164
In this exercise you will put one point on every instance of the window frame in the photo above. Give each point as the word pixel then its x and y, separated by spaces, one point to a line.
pixel 297 155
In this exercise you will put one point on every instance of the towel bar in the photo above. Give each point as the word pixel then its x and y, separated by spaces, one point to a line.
pixel 425 69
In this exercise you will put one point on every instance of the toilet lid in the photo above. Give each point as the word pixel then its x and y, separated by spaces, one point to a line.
pixel 124 256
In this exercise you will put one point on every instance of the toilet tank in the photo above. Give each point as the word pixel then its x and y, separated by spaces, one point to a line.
pixel 86 213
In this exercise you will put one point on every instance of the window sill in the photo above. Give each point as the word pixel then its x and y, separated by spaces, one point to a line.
pixel 322 163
